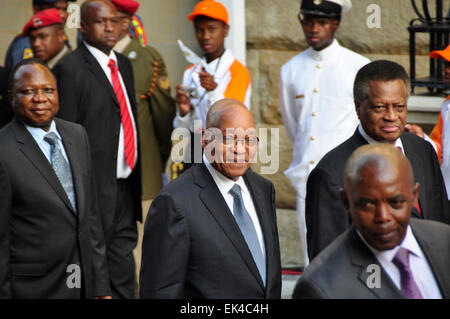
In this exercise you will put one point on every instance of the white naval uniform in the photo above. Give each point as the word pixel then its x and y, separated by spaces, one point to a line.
pixel 445 166
pixel 318 111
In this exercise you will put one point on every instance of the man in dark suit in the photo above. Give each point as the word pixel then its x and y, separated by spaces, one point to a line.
pixel 52 243
pixel 212 232
pixel 96 89
pixel 380 94
pixel 383 254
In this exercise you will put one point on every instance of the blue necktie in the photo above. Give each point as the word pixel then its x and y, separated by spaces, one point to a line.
pixel 61 167
pixel 245 223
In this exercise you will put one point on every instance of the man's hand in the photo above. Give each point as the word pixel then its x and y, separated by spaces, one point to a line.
pixel 414 129
pixel 207 81
pixel 182 99
pixel 103 297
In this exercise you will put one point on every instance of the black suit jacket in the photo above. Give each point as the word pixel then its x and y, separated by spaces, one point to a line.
pixel 326 216
pixel 342 270
pixel 87 97
pixel 193 248
pixel 40 233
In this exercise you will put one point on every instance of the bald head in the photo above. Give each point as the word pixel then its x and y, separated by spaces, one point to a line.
pixel 99 25
pixel 230 140
pixel 221 107
pixel 89 5
pixel 383 157
pixel 380 194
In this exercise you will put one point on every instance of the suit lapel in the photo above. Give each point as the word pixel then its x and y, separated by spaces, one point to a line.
pixel 263 215
pixel 32 151
pixel 98 72
pixel 418 170
pixel 216 205
pixel 363 258
pixel 434 257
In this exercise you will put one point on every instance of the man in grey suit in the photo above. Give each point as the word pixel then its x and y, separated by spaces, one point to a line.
pixel 384 254
pixel 51 239
pixel 212 232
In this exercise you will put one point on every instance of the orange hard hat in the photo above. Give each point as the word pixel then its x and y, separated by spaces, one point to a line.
pixel 210 8
pixel 445 54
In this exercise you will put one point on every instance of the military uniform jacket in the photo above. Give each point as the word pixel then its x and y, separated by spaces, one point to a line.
pixel 156 110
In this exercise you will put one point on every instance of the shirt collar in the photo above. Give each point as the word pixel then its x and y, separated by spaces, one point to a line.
pixel 52 62
pixel 100 56
pixel 39 133
pixel 370 140
pixel 409 243
pixel 324 54
pixel 122 44
pixel 221 180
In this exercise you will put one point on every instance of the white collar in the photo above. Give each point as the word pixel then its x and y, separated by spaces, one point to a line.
pixel 328 53
pixel 122 44
pixel 370 140
pixel 409 243
pixel 52 62
pixel 100 56
pixel 39 133
pixel 221 180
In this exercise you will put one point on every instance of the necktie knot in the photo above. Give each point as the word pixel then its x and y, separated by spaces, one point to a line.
pixel 112 64
pixel 235 191
pixel 409 287
pixel 401 259
pixel 51 138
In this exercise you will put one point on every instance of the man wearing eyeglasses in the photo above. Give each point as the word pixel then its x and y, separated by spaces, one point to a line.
pixel 316 98
pixel 212 232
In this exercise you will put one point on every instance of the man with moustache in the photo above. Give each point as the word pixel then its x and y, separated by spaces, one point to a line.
pixel 380 92
pixel 316 101
pixel 51 238
pixel 384 254
pixel 212 232
pixel 226 78
pixel 96 89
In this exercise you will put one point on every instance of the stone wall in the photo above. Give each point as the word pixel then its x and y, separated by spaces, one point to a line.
pixel 274 36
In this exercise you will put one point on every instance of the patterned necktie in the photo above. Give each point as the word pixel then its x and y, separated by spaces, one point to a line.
pixel 128 130
pixel 247 228
pixel 61 167
pixel 410 290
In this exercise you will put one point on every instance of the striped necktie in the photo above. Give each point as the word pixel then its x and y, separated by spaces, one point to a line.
pixel 128 130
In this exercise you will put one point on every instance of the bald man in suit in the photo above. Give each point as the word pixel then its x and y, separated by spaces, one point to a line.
pixel 195 242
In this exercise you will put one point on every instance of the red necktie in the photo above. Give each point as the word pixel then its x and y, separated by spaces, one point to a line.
pixel 128 131
pixel 418 204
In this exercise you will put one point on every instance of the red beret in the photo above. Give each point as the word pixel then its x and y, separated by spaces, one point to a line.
pixel 128 6
pixel 42 19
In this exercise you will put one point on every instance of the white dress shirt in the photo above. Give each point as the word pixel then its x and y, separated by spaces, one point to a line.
pixel 123 170
pixel 38 135
pixel 225 184
pixel 420 268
